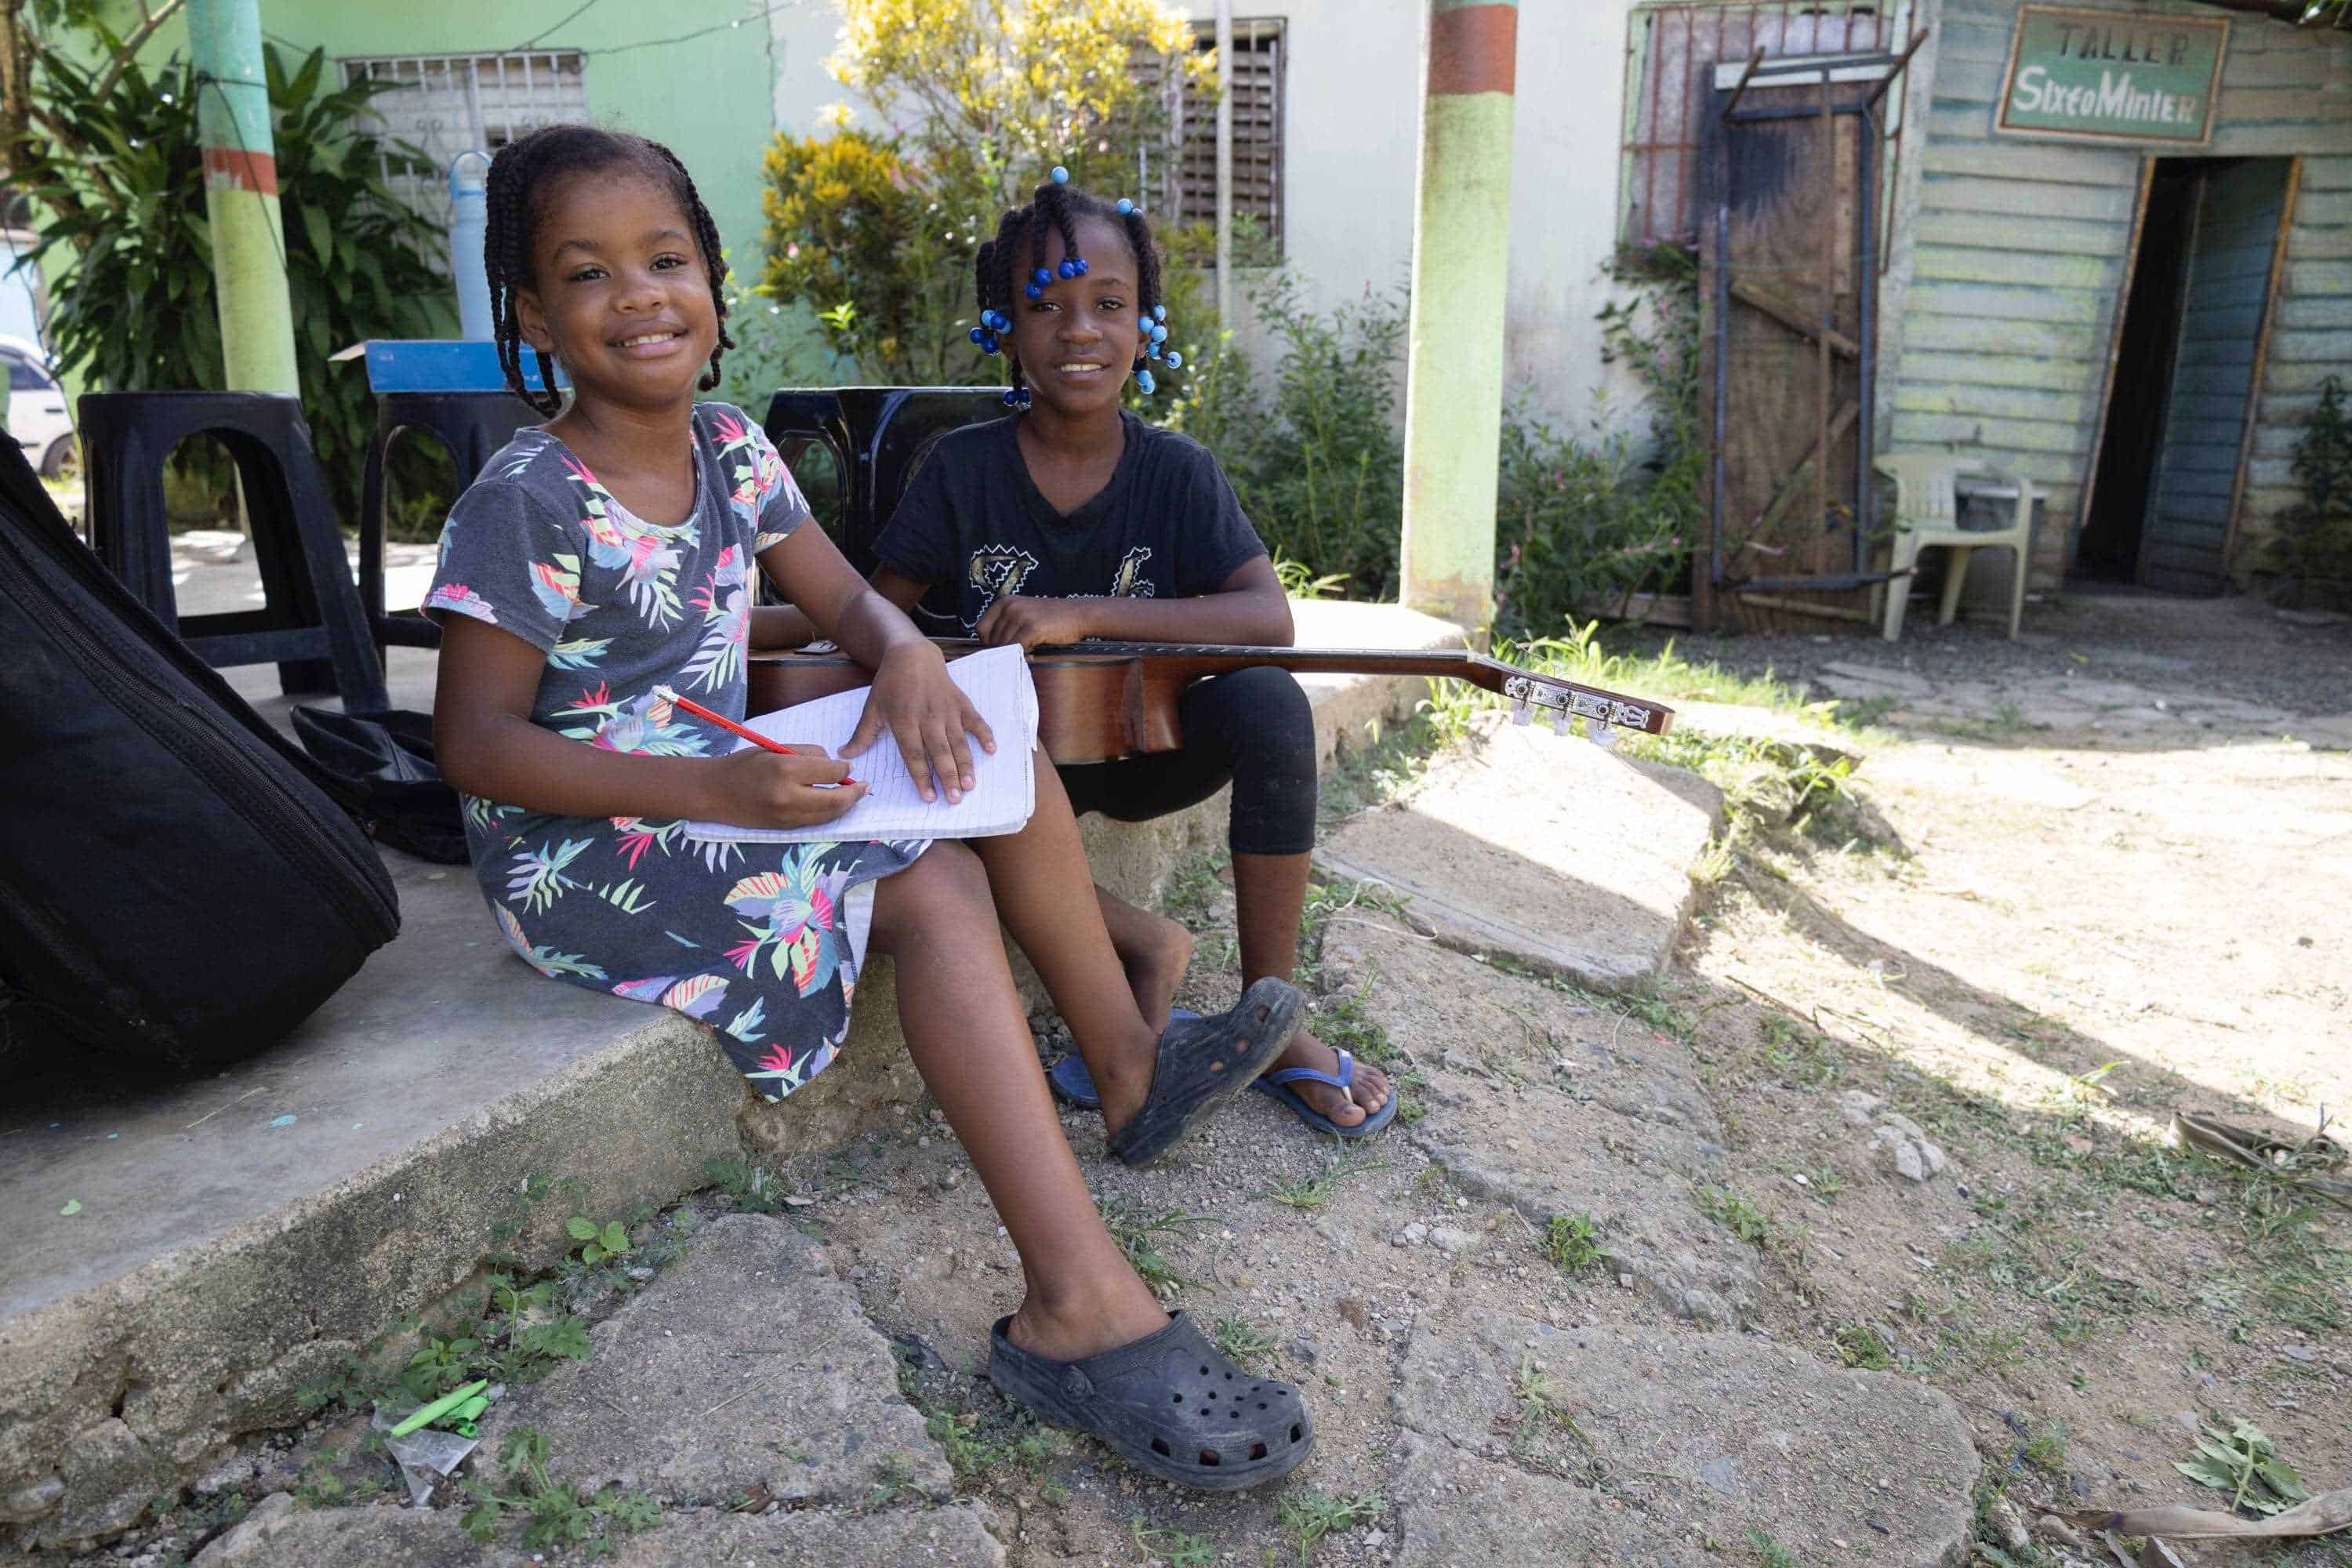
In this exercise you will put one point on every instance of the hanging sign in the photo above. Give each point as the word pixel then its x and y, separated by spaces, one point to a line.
pixel 2112 76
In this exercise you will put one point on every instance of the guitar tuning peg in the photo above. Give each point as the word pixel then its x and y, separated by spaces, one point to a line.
pixel 1520 712
pixel 1603 735
pixel 1560 720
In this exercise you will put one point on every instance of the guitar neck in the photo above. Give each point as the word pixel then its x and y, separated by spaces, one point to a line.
pixel 1455 664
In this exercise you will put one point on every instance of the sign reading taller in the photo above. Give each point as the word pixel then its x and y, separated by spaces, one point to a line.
pixel 2112 76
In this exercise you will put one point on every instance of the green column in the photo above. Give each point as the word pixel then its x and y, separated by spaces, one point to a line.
pixel 1461 241
pixel 233 123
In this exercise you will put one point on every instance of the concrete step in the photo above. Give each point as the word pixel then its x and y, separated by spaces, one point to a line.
pixel 1542 848
pixel 235 1237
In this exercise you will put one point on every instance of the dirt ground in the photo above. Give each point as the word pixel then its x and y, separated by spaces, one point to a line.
pixel 2042 939
pixel 2079 882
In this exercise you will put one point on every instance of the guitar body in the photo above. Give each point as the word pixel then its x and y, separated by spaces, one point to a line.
pixel 1101 701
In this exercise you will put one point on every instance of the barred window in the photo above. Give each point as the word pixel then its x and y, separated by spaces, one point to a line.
pixel 1672 52
pixel 1186 177
pixel 446 104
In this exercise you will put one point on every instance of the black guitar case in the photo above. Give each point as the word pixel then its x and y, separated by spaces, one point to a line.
pixel 177 887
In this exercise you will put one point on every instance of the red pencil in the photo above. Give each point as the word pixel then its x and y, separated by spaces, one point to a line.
pixel 732 727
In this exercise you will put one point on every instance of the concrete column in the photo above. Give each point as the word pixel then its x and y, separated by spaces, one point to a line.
pixel 1461 243
pixel 233 122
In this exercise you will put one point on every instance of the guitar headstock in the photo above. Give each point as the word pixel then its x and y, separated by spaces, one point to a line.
pixel 1603 712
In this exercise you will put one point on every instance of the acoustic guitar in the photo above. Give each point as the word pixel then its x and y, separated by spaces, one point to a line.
pixel 1099 701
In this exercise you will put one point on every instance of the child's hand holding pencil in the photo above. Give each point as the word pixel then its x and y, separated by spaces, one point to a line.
pixel 769 783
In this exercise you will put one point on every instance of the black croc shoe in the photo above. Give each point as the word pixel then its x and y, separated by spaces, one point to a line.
pixel 1169 1403
pixel 1205 1062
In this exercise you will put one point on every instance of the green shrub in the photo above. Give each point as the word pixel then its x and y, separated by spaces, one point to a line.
pixel 133 307
pixel 2311 551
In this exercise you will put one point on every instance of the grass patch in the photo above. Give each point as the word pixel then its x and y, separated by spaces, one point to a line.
pixel 1310 1516
pixel 1245 1344
pixel 2045 1450
pixel 1768 1551
pixel 554 1516
pixel 1136 1229
pixel 1313 1192
pixel 1858 1345
pixel 1173 1547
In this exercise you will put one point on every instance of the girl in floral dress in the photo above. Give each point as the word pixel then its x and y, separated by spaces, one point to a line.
pixel 605 558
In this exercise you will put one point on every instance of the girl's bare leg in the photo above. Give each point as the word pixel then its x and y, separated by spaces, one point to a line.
pixel 969 1040
pixel 1049 903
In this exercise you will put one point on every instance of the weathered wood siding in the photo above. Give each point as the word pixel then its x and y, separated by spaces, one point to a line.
pixel 2183 537
pixel 2022 249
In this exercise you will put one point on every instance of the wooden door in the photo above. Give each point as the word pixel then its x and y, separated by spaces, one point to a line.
pixel 2234 233
pixel 1784 262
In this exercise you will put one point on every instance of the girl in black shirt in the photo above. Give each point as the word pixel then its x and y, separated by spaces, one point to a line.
pixel 1070 519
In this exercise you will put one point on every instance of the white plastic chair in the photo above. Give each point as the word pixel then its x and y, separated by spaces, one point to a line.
pixel 1927 516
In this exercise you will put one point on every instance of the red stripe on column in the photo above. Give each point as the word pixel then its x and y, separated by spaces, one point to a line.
pixel 1474 49
pixel 229 168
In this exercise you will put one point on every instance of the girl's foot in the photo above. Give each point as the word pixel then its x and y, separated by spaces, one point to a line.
pixel 1117 1312
pixel 1155 958
pixel 1366 1094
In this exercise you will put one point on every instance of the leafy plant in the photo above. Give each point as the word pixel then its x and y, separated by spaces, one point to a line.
pixel 1176 1548
pixel 597 1243
pixel 876 233
pixel 2312 550
pixel 556 1516
pixel 2244 1463
pixel 1572 1242
pixel 133 307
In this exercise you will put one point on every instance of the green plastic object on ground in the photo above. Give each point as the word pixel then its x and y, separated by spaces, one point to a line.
pixel 423 1415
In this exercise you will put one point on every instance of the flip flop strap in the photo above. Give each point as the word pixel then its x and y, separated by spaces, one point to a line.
pixel 1346 1074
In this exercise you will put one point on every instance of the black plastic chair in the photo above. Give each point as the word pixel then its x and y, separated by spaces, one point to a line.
pixel 312 624
pixel 472 425
pixel 877 434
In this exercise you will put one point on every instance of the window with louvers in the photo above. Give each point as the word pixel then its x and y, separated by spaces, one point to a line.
pixel 1186 177
pixel 446 104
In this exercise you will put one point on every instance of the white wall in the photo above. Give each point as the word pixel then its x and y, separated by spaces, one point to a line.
pixel 1352 126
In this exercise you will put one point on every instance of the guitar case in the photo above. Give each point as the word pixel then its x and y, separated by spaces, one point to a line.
pixel 178 886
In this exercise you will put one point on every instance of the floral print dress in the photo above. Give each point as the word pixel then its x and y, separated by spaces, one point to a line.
pixel 760 942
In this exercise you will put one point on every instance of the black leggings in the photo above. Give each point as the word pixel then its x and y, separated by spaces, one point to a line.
pixel 1252 727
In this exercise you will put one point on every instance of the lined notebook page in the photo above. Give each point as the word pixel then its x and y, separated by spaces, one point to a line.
pixel 1004 787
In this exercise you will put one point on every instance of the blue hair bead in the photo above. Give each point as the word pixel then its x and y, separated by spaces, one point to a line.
pixel 1035 291
pixel 1068 269
pixel 987 345
pixel 1144 383
pixel 1010 399
pixel 1042 276
pixel 1174 361
pixel 1083 269
pixel 1061 175
pixel 1159 332
pixel 979 336
pixel 1125 207
pixel 1159 312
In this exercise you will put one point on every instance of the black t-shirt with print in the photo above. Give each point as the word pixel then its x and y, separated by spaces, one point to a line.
pixel 974 525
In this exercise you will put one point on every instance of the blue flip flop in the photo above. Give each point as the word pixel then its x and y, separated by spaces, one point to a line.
pixel 1072 1082
pixel 1277 1083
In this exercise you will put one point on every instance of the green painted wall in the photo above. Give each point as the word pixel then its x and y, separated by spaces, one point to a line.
pixel 708 98
pixel 2020 250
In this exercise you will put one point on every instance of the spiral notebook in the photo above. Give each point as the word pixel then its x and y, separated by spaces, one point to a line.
pixel 1004 783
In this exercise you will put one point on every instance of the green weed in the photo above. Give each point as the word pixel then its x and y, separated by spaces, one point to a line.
pixel 1245 1345
pixel 1736 1214
pixel 1135 1229
pixel 554 1516
pixel 1311 1515
pixel 1859 1346
pixel 1313 1192
pixel 1768 1551
pixel 1573 1242
pixel 1173 1547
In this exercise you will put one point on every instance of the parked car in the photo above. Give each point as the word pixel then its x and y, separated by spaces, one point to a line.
pixel 36 409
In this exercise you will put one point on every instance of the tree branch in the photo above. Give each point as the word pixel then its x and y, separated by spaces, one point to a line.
pixel 132 43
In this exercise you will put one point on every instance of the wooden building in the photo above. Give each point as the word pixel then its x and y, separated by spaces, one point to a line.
pixel 2139 315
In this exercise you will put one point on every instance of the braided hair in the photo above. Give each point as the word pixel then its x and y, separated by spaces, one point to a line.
pixel 998 269
pixel 523 174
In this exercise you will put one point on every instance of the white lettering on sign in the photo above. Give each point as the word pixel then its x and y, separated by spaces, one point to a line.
pixel 2114 98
